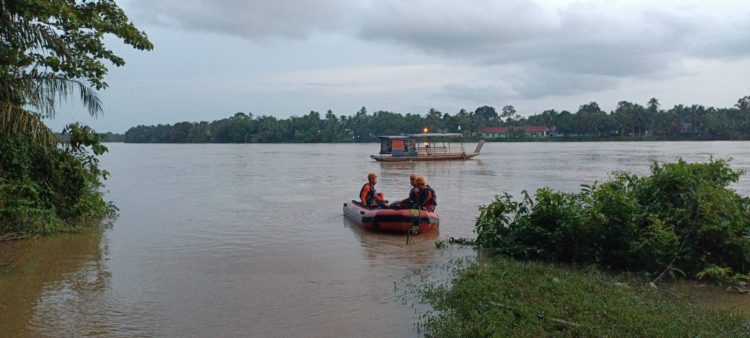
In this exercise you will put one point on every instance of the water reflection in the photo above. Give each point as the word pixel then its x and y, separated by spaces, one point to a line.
pixel 33 266
pixel 714 297
pixel 61 286
pixel 384 249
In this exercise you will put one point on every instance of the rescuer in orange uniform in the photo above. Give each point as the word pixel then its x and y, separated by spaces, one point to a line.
pixel 427 198
pixel 367 193
pixel 413 194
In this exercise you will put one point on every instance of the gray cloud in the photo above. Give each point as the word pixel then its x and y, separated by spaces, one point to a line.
pixel 583 38
pixel 448 28
pixel 530 83
pixel 723 36
pixel 580 47
pixel 255 20
pixel 481 93
pixel 539 82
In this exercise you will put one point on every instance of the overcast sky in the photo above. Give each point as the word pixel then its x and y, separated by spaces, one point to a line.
pixel 288 57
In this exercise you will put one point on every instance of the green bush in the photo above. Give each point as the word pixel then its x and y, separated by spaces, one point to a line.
pixel 683 218
pixel 47 189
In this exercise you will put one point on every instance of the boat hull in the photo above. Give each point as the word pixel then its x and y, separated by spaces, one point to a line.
pixel 392 220
pixel 451 157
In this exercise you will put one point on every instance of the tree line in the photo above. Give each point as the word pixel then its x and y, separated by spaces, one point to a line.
pixel 628 121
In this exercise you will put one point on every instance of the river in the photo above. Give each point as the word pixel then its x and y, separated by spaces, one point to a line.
pixel 248 240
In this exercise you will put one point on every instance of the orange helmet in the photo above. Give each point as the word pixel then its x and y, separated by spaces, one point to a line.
pixel 371 176
pixel 421 180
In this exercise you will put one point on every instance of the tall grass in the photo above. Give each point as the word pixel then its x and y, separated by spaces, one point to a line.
pixel 507 298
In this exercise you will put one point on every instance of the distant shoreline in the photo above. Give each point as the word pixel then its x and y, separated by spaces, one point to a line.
pixel 629 122
pixel 554 140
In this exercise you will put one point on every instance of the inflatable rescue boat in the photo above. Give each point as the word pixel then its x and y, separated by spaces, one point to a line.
pixel 392 220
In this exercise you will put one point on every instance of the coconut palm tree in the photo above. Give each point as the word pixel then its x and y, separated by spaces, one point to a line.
pixel 51 50
pixel 26 97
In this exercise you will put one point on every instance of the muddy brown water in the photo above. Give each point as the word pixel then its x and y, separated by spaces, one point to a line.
pixel 249 240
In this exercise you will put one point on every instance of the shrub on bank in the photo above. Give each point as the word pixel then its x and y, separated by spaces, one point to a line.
pixel 683 219
pixel 46 189
pixel 507 298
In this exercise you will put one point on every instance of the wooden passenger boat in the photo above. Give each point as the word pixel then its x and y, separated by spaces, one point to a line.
pixel 392 220
pixel 424 147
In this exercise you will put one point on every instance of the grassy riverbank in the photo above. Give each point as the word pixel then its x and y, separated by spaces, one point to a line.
pixel 504 297
pixel 682 221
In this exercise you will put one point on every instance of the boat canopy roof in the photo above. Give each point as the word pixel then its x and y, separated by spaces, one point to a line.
pixel 423 135
pixel 396 137
pixel 428 135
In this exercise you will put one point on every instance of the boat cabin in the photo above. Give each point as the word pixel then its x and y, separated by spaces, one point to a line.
pixel 425 146
pixel 397 145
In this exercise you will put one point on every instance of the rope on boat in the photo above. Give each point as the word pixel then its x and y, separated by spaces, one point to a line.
pixel 414 229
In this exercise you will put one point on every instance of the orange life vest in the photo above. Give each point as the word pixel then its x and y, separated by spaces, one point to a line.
pixel 367 194
pixel 427 198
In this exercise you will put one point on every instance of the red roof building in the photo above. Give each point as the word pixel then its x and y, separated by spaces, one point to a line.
pixel 494 130
pixel 502 132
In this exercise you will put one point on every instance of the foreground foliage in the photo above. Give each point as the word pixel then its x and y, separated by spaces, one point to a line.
pixel 51 50
pixel 45 190
pixel 683 219
pixel 507 298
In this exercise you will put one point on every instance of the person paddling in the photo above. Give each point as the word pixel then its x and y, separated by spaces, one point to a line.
pixel 367 193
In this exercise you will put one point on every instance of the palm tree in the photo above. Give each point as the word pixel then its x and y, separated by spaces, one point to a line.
pixel 49 48
pixel 25 97
pixel 26 93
